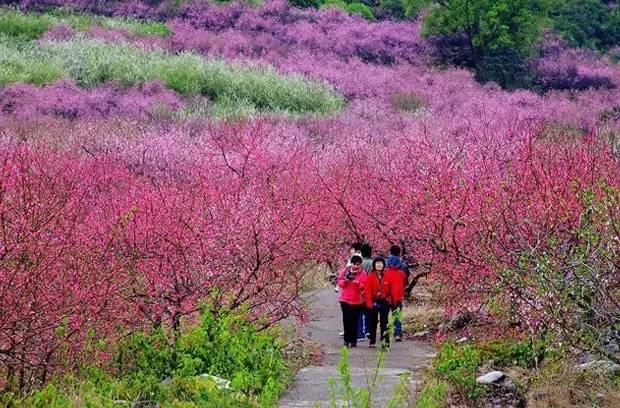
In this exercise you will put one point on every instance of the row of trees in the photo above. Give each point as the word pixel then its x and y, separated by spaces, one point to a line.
pixel 497 37
pixel 90 250
pixel 95 245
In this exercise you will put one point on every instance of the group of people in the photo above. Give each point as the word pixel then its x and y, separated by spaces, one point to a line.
pixel 369 290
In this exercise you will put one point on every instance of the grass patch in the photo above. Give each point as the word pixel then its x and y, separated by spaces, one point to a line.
pixel 433 394
pixel 18 63
pixel 31 26
pixel 233 89
pixel 558 384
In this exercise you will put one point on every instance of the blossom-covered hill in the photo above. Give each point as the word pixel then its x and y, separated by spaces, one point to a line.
pixel 156 155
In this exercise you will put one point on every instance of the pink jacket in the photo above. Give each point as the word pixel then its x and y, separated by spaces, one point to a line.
pixel 351 291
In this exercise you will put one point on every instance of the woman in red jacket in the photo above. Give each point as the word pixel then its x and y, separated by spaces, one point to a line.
pixel 377 292
pixel 351 295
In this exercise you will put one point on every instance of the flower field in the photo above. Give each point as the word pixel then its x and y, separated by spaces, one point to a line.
pixel 154 156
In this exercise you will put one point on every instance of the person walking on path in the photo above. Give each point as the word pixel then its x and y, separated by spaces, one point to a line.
pixel 396 273
pixel 362 325
pixel 351 281
pixel 377 292
pixel 354 250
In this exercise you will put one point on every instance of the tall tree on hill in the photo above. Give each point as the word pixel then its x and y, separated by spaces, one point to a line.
pixel 499 33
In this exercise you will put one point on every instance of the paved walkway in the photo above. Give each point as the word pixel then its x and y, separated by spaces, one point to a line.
pixel 311 383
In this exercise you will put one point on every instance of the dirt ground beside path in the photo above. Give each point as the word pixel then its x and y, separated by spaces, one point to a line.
pixel 311 383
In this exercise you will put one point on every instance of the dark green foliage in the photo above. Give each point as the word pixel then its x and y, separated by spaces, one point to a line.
pixel 393 8
pixel 505 66
pixel 499 35
pixel 587 23
pixel 414 7
pixel 306 3
pixel 489 24
pixel 613 27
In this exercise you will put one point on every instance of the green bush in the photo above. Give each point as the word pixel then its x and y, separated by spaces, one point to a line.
pixel 306 3
pixel 505 353
pixel 83 22
pixel 504 66
pixel 225 345
pixel 29 27
pixel 361 9
pixel 351 8
pixel 394 8
pixel 458 365
pixel 162 369
pixel 414 7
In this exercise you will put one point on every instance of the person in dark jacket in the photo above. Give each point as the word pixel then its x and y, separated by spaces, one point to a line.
pixel 362 326
pixel 396 273
pixel 377 292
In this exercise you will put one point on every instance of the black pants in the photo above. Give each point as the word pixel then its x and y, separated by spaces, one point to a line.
pixel 380 316
pixel 350 317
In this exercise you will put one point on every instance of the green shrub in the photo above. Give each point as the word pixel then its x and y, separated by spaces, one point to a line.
pixel 361 9
pixel 83 22
pixel 394 8
pixel 508 352
pixel 160 369
pixel 414 7
pixel 504 66
pixel 226 345
pixel 458 365
pixel 433 394
pixel 306 3
pixel 351 8
pixel 17 24
pixel 91 63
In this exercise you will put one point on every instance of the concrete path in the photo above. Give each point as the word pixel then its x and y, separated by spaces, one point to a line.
pixel 310 387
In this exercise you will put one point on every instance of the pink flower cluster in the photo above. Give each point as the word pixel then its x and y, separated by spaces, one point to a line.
pixel 67 100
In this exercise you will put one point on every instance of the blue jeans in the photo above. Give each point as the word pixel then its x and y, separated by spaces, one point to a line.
pixel 396 315
pixel 361 326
